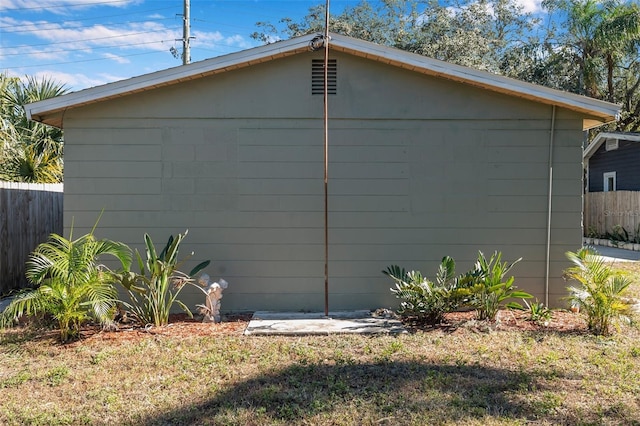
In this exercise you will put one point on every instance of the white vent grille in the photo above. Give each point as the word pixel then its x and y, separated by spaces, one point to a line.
pixel 611 144
pixel 317 77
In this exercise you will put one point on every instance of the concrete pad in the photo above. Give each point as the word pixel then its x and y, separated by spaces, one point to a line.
pixel 315 323
pixel 614 254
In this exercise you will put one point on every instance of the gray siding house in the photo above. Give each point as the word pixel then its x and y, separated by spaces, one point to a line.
pixel 612 161
pixel 426 159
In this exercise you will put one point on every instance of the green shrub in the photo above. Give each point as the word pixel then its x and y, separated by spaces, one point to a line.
pixel 601 290
pixel 155 289
pixel 425 300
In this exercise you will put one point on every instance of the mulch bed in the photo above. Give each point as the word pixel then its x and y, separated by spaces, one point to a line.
pixel 181 326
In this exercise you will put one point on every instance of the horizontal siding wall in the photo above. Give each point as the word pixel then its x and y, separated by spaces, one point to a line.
pixel 400 193
pixel 420 168
pixel 624 161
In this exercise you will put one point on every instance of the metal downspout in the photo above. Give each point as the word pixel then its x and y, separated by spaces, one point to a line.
pixel 548 256
pixel 326 160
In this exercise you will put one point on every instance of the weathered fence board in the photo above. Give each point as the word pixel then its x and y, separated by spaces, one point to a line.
pixel 605 210
pixel 28 214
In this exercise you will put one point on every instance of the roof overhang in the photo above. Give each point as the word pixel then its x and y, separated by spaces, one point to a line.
pixel 596 112
pixel 604 136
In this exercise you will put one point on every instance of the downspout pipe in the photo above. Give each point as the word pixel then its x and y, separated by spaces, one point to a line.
pixel 549 206
pixel 326 160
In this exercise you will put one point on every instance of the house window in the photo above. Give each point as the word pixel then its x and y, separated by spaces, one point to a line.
pixel 609 181
pixel 611 144
pixel 317 77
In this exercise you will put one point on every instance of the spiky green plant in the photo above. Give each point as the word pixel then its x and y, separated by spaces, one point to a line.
pixel 601 292
pixel 71 286
pixel 156 288
pixel 425 300
pixel 490 289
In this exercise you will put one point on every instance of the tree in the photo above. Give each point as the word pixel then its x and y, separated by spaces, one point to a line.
pixel 597 49
pixel 467 32
pixel 591 47
pixel 31 151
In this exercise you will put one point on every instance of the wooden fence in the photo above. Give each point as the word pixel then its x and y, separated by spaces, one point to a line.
pixel 605 210
pixel 28 214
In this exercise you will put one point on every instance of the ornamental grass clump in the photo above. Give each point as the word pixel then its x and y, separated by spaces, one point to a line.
pixel 155 289
pixel 600 295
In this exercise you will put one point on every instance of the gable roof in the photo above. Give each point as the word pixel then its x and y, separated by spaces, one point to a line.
pixel 604 136
pixel 51 111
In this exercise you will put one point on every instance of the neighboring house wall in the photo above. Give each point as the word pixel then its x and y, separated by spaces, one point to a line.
pixel 420 168
pixel 624 161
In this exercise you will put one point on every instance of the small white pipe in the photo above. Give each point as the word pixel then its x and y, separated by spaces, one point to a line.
pixel 548 255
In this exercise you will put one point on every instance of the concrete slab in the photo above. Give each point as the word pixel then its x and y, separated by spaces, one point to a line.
pixel 615 254
pixel 315 323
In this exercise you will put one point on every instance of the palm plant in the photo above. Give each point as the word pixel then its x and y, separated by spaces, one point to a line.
pixel 71 286
pixel 601 290
pixel 31 151
pixel 29 165
pixel 599 32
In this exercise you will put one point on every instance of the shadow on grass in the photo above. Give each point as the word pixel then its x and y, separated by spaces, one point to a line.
pixel 402 391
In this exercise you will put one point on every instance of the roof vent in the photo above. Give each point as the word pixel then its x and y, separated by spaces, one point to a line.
pixel 317 77
pixel 611 144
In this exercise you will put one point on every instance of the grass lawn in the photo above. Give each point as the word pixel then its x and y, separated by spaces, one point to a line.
pixel 214 375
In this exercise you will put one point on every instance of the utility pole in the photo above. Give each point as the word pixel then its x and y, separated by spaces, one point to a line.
pixel 186 36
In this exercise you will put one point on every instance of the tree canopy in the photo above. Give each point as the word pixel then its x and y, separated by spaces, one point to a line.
pixel 589 47
pixel 29 151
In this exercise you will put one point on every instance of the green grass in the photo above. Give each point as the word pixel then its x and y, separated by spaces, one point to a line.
pixel 428 377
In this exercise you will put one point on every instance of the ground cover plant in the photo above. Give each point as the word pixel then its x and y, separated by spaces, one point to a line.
pixel 516 372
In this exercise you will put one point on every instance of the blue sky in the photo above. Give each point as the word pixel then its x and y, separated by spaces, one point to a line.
pixel 85 43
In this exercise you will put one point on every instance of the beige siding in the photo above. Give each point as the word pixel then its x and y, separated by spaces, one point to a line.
pixel 419 168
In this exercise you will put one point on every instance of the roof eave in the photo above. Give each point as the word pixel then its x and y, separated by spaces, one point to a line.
pixel 598 112
pixel 601 137
pixel 51 111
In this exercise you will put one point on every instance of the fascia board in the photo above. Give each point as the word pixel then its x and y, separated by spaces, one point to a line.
pixel 601 137
pixel 41 110
pixel 604 110
pixel 50 111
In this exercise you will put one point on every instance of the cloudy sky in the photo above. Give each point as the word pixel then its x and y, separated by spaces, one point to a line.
pixel 84 43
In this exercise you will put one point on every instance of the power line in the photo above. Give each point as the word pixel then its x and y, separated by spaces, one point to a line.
pixel 92 39
pixel 81 60
pixel 91 48
pixel 93 18
pixel 33 30
pixel 18 9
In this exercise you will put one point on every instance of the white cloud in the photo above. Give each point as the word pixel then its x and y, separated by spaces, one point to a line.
pixel 76 81
pixel 530 6
pixel 116 58
pixel 147 35
pixel 61 6
pixel 214 40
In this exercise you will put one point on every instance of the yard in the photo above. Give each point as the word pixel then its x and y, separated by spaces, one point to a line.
pixel 193 373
